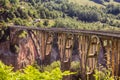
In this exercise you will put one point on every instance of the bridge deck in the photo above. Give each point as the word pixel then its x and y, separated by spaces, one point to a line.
pixel 73 31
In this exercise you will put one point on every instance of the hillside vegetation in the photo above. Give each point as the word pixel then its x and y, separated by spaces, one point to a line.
pixel 31 73
pixel 82 14
pixel 86 2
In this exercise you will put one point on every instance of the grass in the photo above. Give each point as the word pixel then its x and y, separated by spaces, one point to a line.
pixel 86 2
pixel 92 3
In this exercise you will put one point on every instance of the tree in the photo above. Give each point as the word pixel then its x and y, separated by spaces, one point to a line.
pixel 113 9
pixel 46 23
pixel 23 13
pixel 2 2
pixel 14 1
pixel 32 2
pixel 6 3
pixel 42 14
pixel 99 1
pixel 117 0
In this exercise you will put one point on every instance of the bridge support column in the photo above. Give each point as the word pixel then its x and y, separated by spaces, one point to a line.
pixel 82 48
pixel 49 42
pixel 115 58
pixel 45 43
pixel 65 43
pixel 118 57
pixel 91 60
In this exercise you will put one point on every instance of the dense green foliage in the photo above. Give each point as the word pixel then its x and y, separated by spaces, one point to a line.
pixel 47 13
pixel 49 72
pixel 31 73
pixel 106 75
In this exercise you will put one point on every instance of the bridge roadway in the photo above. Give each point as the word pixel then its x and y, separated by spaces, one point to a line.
pixel 94 48
pixel 73 31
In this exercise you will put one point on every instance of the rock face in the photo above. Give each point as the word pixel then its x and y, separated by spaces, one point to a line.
pixel 6 55
pixel 25 55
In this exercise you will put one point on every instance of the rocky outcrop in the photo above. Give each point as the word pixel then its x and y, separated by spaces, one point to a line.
pixel 25 56
pixel 27 53
pixel 6 55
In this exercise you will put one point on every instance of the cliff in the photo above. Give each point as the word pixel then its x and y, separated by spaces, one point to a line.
pixel 19 53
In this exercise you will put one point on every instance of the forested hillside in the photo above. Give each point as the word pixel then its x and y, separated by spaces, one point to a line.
pixel 99 15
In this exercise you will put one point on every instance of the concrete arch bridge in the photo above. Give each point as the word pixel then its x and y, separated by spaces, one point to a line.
pixel 91 48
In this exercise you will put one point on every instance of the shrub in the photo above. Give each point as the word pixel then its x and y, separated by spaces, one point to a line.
pixel 118 16
pixel 75 65
pixel 18 21
pixel 113 9
pixel 99 1
pixel 106 75
pixel 117 0
pixel 52 66
pixel 31 73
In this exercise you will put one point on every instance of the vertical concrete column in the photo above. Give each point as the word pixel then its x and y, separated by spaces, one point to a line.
pixel 65 44
pixel 118 57
pixel 48 48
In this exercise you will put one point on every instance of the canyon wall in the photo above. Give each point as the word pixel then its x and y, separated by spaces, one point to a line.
pixel 19 54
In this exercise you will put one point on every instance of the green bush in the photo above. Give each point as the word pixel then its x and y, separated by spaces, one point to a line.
pixel 31 73
pixel 118 16
pixel 18 21
pixel 113 9
pixel 52 66
pixel 75 65
pixel 106 75
pixel 22 22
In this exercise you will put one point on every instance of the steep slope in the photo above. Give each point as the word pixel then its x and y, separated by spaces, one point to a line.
pixel 54 13
pixel 98 3
pixel 86 2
